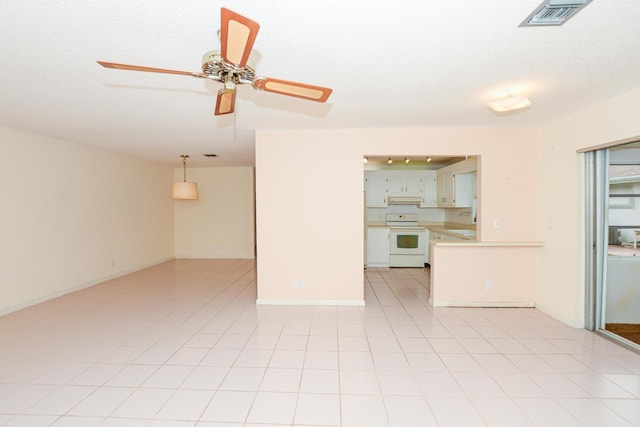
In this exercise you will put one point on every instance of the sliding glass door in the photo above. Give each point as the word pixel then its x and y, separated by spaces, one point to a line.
pixel 613 242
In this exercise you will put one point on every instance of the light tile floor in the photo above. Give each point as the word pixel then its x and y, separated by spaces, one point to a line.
pixel 183 344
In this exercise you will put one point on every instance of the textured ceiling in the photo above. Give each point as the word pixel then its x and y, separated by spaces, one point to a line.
pixel 411 63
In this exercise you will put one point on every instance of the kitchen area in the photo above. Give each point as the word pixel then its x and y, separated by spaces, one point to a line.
pixel 412 201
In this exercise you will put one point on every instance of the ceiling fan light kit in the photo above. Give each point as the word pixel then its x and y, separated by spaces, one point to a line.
pixel 232 66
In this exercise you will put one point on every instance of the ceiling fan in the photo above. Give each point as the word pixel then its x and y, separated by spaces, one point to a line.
pixel 232 66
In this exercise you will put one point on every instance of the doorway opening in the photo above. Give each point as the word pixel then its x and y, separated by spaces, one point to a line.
pixel 411 200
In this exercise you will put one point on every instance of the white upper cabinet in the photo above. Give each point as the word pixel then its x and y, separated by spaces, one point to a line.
pixel 429 190
pixel 413 184
pixel 382 184
pixel 446 189
pixel 375 185
pixel 464 189
pixel 395 184
pixel 456 185
pixel 451 186
pixel 407 183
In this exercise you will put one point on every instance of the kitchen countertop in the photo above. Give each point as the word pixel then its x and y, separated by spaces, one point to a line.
pixel 435 227
pixel 374 224
pixel 448 228
pixel 475 243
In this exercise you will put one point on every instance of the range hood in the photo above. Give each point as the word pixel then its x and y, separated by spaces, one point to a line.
pixel 404 200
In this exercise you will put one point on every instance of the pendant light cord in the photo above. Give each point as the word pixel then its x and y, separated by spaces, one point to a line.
pixel 184 167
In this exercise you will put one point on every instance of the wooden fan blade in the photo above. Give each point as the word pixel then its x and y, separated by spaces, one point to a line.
pixel 226 102
pixel 237 35
pixel 299 90
pixel 147 69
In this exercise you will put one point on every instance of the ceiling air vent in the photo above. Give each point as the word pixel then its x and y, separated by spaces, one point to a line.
pixel 554 12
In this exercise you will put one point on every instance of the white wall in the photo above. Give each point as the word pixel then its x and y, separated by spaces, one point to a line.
pixel 560 290
pixel 300 174
pixel 460 275
pixel 221 223
pixel 72 216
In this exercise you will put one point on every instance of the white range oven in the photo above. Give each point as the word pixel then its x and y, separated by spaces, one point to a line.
pixel 407 240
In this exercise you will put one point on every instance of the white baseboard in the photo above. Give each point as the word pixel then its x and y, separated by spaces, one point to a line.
pixel 278 301
pixel 218 256
pixel 483 304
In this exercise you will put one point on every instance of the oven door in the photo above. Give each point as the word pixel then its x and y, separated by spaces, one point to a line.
pixel 407 241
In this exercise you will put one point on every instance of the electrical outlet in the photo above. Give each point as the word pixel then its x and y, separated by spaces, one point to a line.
pixel 496 223
pixel 113 262
pixel 489 285
pixel 297 284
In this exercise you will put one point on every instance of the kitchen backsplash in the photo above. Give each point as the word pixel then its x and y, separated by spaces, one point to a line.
pixel 435 215
pixel 424 214
pixel 459 216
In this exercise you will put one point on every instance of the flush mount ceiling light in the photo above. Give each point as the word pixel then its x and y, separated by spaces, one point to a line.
pixel 554 12
pixel 185 190
pixel 511 103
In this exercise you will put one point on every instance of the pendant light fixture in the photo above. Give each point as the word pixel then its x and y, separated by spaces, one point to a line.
pixel 185 190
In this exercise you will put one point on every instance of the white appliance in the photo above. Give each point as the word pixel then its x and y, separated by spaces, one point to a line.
pixel 404 200
pixel 407 240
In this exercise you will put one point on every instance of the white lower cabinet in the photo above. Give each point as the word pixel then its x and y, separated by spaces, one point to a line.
pixel 442 236
pixel 377 247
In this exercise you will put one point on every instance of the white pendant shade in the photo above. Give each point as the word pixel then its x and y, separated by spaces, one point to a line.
pixel 185 191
